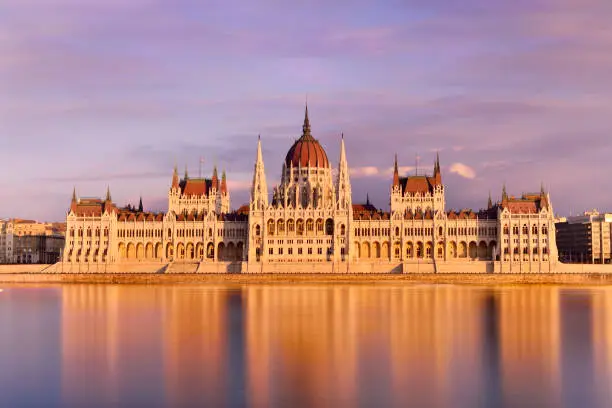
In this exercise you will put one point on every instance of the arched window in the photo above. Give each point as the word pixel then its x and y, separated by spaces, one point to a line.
pixel 515 230
pixel 440 231
pixel 329 227
pixel 516 251
pixel 280 227
pixel 299 227
pixel 290 226
pixel 342 229
pixel 397 231
pixel 257 230
pixel 270 227
pixel 319 226
pixel 526 251
pixel 544 229
pixel 309 225
pixel 506 229
pixel 534 229
pixel 525 229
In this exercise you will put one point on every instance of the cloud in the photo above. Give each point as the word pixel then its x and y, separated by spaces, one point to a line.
pixel 366 171
pixel 462 170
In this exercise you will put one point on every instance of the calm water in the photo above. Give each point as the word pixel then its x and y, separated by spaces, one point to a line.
pixel 305 346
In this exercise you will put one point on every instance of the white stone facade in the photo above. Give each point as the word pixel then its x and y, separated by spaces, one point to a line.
pixel 311 220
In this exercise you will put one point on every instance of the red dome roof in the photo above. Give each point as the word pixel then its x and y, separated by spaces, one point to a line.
pixel 306 151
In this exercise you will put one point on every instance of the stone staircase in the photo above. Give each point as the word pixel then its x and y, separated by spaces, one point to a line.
pixel 182 267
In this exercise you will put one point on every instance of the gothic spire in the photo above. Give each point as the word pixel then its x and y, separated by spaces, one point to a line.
pixel 306 126
pixel 490 202
pixel 343 189
pixel 74 197
pixel 395 172
pixel 108 194
pixel 215 178
pixel 223 182
pixel 186 175
pixel 259 189
pixel 175 178
pixel 140 208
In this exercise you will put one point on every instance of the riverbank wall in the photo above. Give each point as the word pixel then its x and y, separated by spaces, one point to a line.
pixel 356 268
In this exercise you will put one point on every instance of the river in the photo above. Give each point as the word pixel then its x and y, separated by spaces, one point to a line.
pixel 305 345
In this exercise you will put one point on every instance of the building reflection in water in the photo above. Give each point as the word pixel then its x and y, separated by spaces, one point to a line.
pixel 332 345
pixel 602 344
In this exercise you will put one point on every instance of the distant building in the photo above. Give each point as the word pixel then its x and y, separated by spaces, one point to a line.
pixel 28 241
pixel 585 238
pixel 6 241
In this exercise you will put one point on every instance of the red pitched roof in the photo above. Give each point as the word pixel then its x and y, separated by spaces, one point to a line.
pixel 197 187
pixel 418 184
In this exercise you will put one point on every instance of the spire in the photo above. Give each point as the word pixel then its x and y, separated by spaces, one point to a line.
pixel 367 198
pixel 490 202
pixel 306 126
pixel 343 188
pixel 140 208
pixel 186 174
pixel 175 178
pixel 259 155
pixel 542 188
pixel 215 178
pixel 223 182
pixel 437 173
pixel 259 189
pixel 73 202
pixel 108 194
pixel 395 173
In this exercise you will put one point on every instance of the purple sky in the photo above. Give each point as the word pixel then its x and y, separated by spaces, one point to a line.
pixel 115 92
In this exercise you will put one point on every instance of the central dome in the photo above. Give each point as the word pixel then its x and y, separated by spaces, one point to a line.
pixel 306 151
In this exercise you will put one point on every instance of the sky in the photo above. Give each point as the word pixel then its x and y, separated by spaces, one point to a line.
pixel 97 93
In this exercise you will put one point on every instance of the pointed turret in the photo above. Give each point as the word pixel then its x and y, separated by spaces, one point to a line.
pixel 223 183
pixel 343 187
pixel 490 202
pixel 140 208
pixel 259 189
pixel 74 201
pixel 504 200
pixel 215 179
pixel 543 197
pixel 395 173
pixel 437 172
pixel 186 174
pixel 306 126
pixel 108 203
pixel 175 178
pixel 367 199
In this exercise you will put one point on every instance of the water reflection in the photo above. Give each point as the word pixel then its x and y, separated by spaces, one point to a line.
pixel 304 346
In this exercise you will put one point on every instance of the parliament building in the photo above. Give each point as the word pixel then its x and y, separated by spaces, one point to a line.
pixel 309 223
